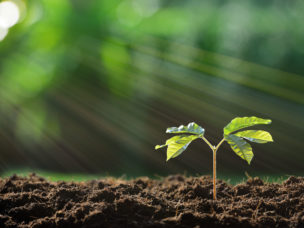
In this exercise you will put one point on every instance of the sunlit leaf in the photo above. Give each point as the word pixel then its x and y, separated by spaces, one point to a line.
pixel 191 128
pixel 243 122
pixel 256 136
pixel 240 147
pixel 169 141
pixel 177 144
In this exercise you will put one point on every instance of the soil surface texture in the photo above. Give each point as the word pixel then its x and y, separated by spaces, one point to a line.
pixel 175 201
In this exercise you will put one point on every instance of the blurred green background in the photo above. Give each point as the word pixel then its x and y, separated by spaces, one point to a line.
pixel 89 87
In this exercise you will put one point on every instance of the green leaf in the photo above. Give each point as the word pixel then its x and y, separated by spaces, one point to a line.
pixel 240 147
pixel 177 144
pixel 171 140
pixel 191 128
pixel 256 136
pixel 243 122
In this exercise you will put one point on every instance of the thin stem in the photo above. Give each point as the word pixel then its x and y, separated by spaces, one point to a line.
pixel 220 143
pixel 209 144
pixel 214 150
pixel 214 174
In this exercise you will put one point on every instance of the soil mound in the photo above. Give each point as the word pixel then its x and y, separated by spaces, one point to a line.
pixel 175 201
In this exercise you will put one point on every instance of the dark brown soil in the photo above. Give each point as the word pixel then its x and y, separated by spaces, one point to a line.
pixel 175 201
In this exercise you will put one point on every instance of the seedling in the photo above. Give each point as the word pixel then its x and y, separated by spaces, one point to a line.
pixel 232 135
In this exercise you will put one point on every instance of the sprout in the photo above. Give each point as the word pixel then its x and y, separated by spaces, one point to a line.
pixel 235 138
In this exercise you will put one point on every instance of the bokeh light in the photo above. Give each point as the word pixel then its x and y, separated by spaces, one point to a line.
pixel 9 14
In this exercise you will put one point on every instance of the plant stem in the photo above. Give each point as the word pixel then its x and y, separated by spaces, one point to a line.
pixel 209 144
pixel 220 143
pixel 214 174
pixel 214 150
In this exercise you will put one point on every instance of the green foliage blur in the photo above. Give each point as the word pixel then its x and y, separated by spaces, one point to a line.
pixel 89 86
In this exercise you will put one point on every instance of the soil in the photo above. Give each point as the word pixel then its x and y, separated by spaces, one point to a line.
pixel 175 201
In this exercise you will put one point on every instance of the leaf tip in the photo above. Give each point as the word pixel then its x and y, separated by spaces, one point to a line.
pixel 249 160
pixel 268 121
pixel 270 138
pixel 159 146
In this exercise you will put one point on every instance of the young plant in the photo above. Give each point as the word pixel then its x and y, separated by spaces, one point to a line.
pixel 232 135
